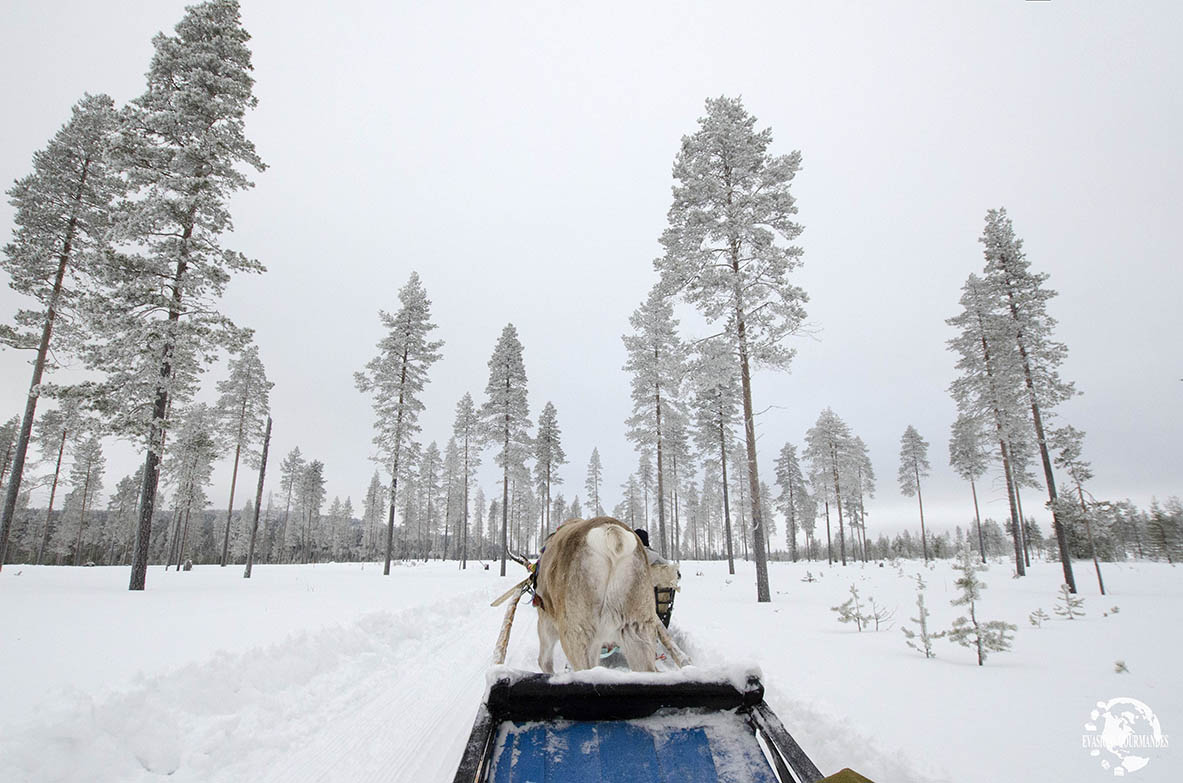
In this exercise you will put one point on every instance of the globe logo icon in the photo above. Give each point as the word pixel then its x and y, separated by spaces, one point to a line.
pixel 1122 734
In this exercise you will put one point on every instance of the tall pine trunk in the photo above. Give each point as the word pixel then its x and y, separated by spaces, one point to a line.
pixel 660 466
pixel 57 470
pixel 147 507
pixel 234 473
pixel 1088 526
pixel 763 594
pixel 82 516
pixel 250 552
pixel 726 502
pixel 920 499
pixel 978 519
pixel 26 431
pixel 838 503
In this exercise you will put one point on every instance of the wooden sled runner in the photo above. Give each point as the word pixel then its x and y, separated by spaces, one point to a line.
pixel 639 728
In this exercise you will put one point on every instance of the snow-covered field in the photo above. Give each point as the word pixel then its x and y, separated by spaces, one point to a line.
pixel 332 672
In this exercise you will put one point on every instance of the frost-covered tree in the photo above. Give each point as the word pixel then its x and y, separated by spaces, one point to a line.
pixel 968 456
pixel 729 252
pixel 828 445
pixel 595 477
pixel 311 496
pixel 983 636
pixel 1024 298
pixel 373 514
pixel 505 416
pixel 121 516
pixel 188 468
pixel 794 501
pixel 576 509
pixel 548 458
pixel 1164 530
pixel 921 640
pixel 466 431
pixel 182 149
pixel 715 407
pixel 851 610
pixel 242 413
pixel 290 471
pixel 656 358
pixel 631 503
pixel 1069 445
pixel 396 377
pixel 858 484
pixel 430 470
pixel 54 429
pixel 62 212
pixel 1070 606
pixel 254 516
pixel 86 478
pixel 990 384
pixel 9 434
pixel 913 467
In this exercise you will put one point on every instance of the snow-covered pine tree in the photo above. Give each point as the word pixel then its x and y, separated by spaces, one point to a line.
pixel 576 509
pixel 242 412
pixel 828 446
pixel 548 458
pixel 858 484
pixel 793 500
pixel 851 610
pixel 925 638
pixel 728 251
pixel 1164 530
pixel 121 516
pixel 263 454
pixel 715 407
pixel 466 430
pixel 62 212
pixel 1069 445
pixel 1038 618
pixel 631 503
pixel 311 489
pixel 373 514
pixel 187 469
pixel 9 433
pixel 505 416
pixel 453 483
pixel 1070 605
pixel 86 478
pixel 396 377
pixel 290 470
pixel 990 383
pixel 595 477
pixel 1024 298
pixel 430 472
pixel 967 456
pixel 656 358
pixel 182 148
pixel 983 636
pixel 913 467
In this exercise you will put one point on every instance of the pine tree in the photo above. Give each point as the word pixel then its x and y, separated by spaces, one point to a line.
pixel 373 511
pixel 505 416
pixel 1163 531
pixel 858 483
pixel 311 493
pixel 728 251
pixel 1071 606
pixel 926 638
pixel 715 406
pixel 989 384
pixel 576 509
pixel 250 551
pixel 242 411
pixel 290 471
pixel 828 449
pixel 595 476
pixel 982 636
pixel 86 478
pixel 121 515
pixel 429 486
pixel 182 147
pixel 967 455
pixel 188 469
pixel 1025 299
pixel 466 431
pixel 1069 445
pixel 914 466
pixel 548 458
pixel 1038 618
pixel 793 500
pixel 396 378
pixel 655 360
pixel 851 610
pixel 62 212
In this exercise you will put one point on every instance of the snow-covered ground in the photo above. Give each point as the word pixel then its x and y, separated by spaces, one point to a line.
pixel 332 672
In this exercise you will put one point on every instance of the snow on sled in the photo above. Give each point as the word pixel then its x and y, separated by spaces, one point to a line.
pixel 603 726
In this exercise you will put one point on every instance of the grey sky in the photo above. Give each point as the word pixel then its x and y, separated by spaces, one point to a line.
pixel 518 156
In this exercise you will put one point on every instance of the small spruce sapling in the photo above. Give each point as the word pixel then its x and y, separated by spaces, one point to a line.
pixel 924 644
pixel 851 611
pixel 985 637
pixel 879 614
pixel 1038 617
pixel 809 577
pixel 1071 606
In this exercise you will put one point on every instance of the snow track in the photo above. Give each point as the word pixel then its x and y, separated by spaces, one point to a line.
pixel 389 697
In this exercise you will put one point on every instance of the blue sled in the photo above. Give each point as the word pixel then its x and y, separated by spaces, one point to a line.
pixel 537 728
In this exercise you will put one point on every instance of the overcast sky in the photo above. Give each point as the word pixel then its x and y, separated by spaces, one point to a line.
pixel 518 156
